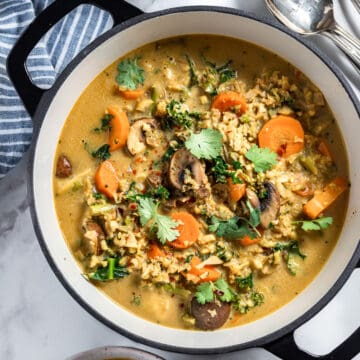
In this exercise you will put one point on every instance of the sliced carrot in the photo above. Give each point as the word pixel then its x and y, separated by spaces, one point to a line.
pixel 324 198
pixel 120 128
pixel 131 94
pixel 247 240
pixel 188 228
pixel 324 149
pixel 236 191
pixel 155 251
pixel 205 273
pixel 282 134
pixel 228 100
pixel 106 179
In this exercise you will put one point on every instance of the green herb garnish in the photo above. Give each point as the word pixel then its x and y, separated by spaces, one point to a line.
pixel 205 145
pixel 131 75
pixel 317 224
pixel 262 158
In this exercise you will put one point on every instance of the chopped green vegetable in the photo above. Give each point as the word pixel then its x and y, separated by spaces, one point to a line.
pixel 254 214
pixel 237 165
pixel 178 116
pixel 105 123
pixel 161 193
pixel 317 224
pixel 98 196
pixel 221 171
pixel 164 225
pixel 245 282
pixel 308 162
pixel 179 291
pixel 98 209
pixel 131 75
pixel 248 301
pixel 136 300
pixel 290 249
pixel 193 77
pixel 262 158
pixel 112 271
pixel 205 293
pixel 205 145
pixel 225 72
pixel 102 153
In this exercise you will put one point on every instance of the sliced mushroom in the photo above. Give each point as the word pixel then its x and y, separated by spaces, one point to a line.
pixel 140 136
pixel 269 205
pixel 63 167
pixel 210 316
pixel 180 161
pixel 93 235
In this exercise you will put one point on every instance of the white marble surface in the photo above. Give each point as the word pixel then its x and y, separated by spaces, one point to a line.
pixel 39 319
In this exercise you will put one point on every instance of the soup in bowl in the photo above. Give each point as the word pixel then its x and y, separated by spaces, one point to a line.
pixel 198 182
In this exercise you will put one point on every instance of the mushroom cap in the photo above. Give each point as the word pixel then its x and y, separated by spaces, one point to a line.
pixel 210 316
pixel 269 205
pixel 136 141
pixel 181 160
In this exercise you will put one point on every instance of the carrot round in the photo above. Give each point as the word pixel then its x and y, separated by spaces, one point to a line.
pixel 106 179
pixel 205 273
pixel 188 228
pixel 228 100
pixel 282 134
pixel 131 94
pixel 324 198
pixel 154 251
pixel 236 191
pixel 120 128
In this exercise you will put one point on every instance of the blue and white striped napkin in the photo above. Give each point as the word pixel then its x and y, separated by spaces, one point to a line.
pixel 48 59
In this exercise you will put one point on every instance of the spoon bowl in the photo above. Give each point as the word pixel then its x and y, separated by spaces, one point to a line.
pixel 312 17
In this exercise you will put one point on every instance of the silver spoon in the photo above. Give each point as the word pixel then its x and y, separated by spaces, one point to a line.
pixel 312 17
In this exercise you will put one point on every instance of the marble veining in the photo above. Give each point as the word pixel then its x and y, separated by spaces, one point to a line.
pixel 38 318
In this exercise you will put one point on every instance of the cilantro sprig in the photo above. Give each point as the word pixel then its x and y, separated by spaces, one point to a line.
pixel 130 75
pixel 208 291
pixel 237 227
pixel 164 226
pixel 315 225
pixel 205 145
pixel 262 158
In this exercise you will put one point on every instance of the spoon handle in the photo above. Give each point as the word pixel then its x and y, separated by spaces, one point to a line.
pixel 346 42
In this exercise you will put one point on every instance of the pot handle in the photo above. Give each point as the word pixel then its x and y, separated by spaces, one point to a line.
pixel 29 93
pixel 286 348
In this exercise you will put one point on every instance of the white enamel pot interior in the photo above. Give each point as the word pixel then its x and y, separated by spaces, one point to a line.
pixel 54 110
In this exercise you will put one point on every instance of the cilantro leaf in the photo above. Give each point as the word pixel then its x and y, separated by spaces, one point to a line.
pixel 232 229
pixel 164 225
pixel 245 282
pixel 102 153
pixel 205 293
pixel 166 228
pixel 262 158
pixel 254 214
pixel 206 144
pixel 317 224
pixel 147 210
pixel 224 291
pixel 130 74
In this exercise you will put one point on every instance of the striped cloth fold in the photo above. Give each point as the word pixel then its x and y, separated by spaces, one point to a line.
pixel 54 51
